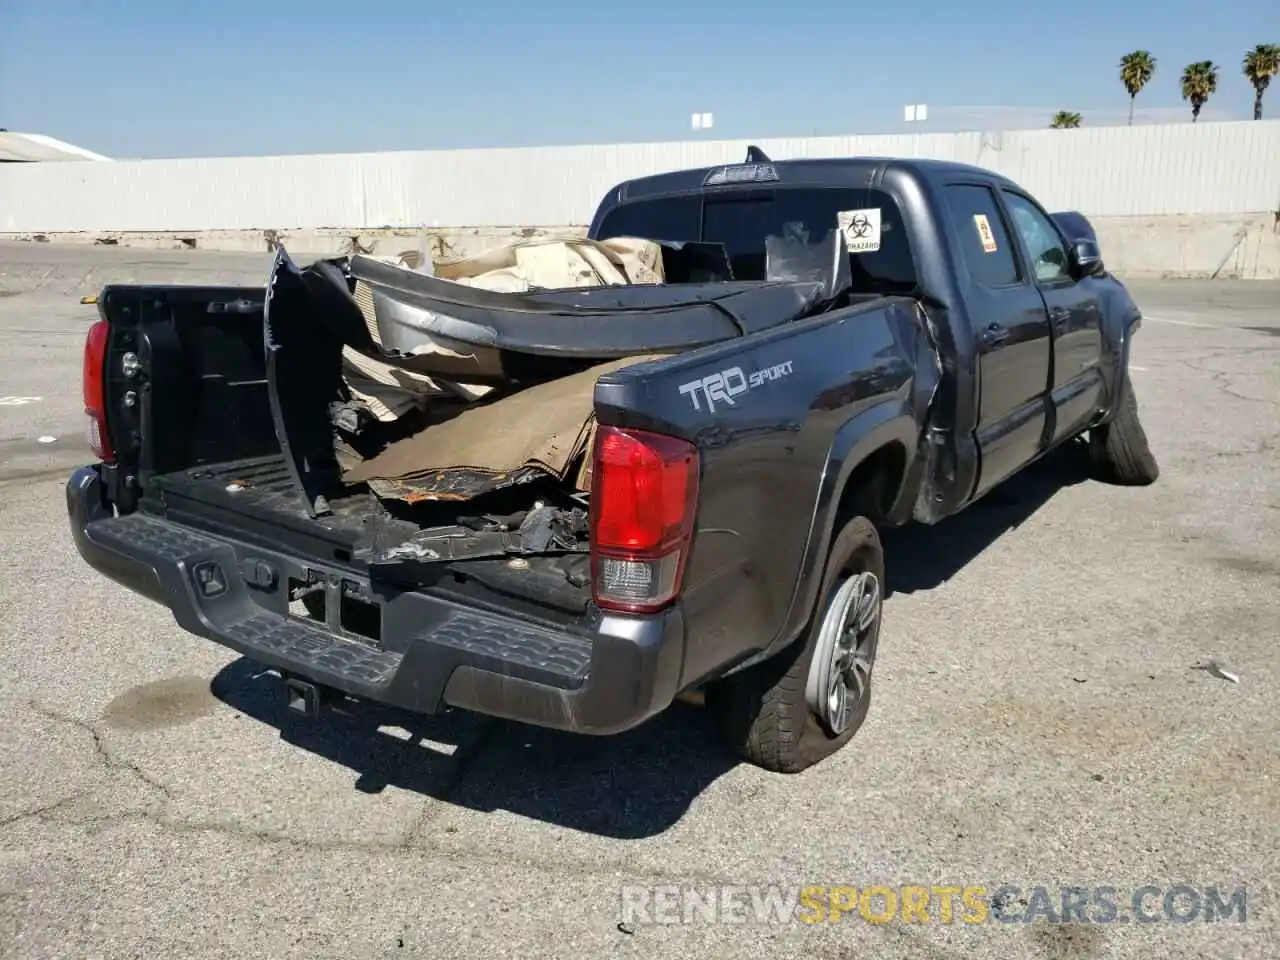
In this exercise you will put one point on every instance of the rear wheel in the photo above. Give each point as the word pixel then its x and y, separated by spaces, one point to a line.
pixel 1119 449
pixel 804 704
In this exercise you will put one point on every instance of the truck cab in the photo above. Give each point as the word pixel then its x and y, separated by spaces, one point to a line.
pixel 1035 330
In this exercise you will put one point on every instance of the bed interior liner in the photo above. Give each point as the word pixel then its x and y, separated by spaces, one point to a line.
pixel 261 489
pixel 408 547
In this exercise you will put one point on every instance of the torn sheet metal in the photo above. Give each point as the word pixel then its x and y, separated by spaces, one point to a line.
pixel 545 529
pixel 416 336
pixel 471 370
pixel 416 315
pixel 414 328
pixel 452 483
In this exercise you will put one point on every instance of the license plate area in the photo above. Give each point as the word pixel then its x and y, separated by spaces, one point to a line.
pixel 341 604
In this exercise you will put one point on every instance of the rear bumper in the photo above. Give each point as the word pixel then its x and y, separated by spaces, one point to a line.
pixel 431 652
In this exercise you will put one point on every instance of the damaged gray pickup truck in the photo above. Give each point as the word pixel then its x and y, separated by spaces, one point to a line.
pixel 590 498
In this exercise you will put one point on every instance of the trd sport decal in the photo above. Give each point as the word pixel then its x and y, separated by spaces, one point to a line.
pixel 722 386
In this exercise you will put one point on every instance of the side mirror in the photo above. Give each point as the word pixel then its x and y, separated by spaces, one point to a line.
pixel 1087 257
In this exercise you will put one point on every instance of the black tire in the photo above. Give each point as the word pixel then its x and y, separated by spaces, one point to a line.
pixel 1120 450
pixel 762 711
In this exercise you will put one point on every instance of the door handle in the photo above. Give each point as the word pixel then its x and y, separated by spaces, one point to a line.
pixel 1060 316
pixel 994 334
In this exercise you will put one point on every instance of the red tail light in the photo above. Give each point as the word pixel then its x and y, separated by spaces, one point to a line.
pixel 644 491
pixel 93 378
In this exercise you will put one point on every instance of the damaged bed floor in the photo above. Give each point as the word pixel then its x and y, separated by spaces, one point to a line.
pixel 1037 721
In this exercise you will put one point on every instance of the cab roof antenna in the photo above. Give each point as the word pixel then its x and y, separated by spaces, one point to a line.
pixel 756 155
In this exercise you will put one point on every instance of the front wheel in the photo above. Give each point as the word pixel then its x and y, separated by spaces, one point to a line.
pixel 1119 449
pixel 804 704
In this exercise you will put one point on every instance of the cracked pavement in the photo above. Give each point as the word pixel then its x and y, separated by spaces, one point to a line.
pixel 1037 719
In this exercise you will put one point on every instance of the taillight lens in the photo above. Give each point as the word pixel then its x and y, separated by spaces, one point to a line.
pixel 644 492
pixel 93 379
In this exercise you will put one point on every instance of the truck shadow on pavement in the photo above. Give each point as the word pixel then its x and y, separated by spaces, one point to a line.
pixel 636 784
pixel 918 557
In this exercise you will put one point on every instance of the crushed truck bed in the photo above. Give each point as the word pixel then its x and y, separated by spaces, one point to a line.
pixel 438 544
pixel 491 368
pixel 545 429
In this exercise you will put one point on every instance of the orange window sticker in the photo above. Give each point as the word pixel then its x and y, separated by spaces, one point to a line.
pixel 984 232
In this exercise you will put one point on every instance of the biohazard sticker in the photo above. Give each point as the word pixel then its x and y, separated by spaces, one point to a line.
pixel 861 229
pixel 984 232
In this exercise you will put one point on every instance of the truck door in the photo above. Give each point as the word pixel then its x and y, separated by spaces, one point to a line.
pixel 1075 316
pixel 1011 333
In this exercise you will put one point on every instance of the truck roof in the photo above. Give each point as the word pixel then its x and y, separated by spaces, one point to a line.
pixel 824 171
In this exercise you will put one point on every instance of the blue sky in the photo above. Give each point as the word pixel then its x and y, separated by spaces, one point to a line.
pixel 148 78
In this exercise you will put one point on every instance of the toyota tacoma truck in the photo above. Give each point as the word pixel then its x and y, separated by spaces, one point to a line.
pixel 655 490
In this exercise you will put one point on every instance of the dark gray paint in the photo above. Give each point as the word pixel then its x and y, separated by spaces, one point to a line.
pixel 906 380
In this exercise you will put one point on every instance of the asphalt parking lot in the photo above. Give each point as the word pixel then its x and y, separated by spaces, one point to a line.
pixel 1038 719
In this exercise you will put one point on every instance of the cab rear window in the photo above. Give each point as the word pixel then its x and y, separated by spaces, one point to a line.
pixel 741 220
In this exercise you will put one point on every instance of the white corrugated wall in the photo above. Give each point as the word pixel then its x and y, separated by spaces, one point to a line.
pixel 1207 168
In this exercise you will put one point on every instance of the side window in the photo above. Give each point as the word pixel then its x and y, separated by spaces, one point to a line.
pixel 1044 246
pixel 983 236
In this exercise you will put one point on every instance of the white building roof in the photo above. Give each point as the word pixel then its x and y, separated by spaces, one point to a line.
pixel 33 147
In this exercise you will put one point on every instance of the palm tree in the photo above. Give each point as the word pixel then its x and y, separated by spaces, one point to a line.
pixel 1136 69
pixel 1065 120
pixel 1260 65
pixel 1199 81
